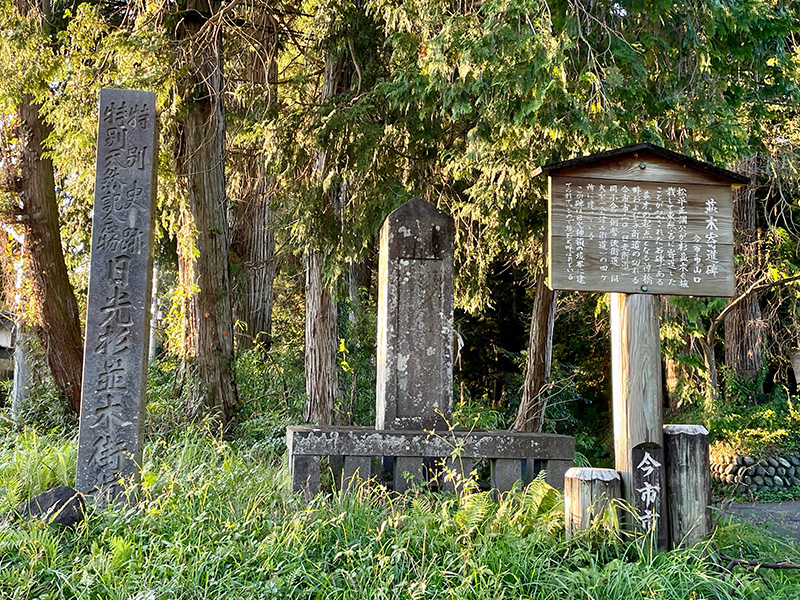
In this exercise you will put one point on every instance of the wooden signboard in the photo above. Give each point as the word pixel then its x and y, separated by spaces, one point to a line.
pixel 641 219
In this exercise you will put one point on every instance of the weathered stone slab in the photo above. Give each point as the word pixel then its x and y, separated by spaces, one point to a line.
pixel 365 441
pixel 455 473
pixel 505 473
pixel 356 468
pixel 408 471
pixel 415 319
pixel 115 355
pixel 555 471
pixel 304 471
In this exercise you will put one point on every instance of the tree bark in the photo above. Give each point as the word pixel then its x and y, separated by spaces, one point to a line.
pixel 253 243
pixel 322 344
pixel 743 325
pixel 532 407
pixel 204 245
pixel 322 339
pixel 252 235
pixel 57 322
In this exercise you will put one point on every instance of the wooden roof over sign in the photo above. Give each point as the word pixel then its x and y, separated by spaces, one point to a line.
pixel 680 159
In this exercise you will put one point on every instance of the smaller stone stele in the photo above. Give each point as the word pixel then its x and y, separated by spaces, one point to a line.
pixel 415 319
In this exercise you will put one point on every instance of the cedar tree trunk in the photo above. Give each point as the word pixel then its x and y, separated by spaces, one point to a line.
pixel 531 412
pixel 743 325
pixel 204 247
pixel 56 320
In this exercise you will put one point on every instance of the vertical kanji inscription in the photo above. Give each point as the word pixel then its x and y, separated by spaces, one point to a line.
pixel 115 355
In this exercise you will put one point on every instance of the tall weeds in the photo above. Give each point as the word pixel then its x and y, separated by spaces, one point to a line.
pixel 215 520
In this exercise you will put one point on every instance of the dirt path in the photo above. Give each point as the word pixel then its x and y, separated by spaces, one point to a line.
pixel 784 517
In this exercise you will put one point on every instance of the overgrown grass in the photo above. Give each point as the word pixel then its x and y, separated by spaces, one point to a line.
pixel 215 520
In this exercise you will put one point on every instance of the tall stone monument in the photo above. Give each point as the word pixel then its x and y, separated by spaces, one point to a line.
pixel 415 319
pixel 117 321
pixel 412 438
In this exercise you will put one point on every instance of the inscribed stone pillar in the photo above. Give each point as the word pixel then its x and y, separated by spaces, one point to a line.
pixel 117 320
pixel 415 319
pixel 636 375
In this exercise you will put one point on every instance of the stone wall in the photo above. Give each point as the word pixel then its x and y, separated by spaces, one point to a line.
pixel 778 472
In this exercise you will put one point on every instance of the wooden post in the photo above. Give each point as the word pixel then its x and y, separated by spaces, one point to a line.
pixel 636 373
pixel 688 477
pixel 587 493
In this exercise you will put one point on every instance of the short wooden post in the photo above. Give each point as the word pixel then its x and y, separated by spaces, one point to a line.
pixel 636 374
pixel 587 493
pixel 688 477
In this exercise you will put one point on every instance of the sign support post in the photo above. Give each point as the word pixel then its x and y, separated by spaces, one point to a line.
pixel 637 401
pixel 637 222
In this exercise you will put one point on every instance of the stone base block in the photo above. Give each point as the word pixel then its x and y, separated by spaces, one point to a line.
pixel 513 455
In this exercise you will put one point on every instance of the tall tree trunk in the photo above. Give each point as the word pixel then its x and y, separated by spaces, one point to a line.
pixel 322 344
pixel 254 245
pixel 56 310
pixel 252 235
pixel 204 247
pixel 743 325
pixel 531 412
pixel 322 339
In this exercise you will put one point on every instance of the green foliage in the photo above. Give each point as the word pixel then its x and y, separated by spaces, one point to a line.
pixel 766 495
pixel 756 429
pixel 31 463
pixel 358 326
pixel 215 519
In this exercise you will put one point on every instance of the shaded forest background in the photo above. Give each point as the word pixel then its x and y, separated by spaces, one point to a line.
pixel 289 130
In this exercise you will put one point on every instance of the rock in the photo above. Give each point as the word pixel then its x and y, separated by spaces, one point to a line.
pixel 768 481
pixel 770 470
pixel 783 462
pixel 748 480
pixel 739 460
pixel 62 506
pixel 795 461
pixel 730 479
pixel 753 487
pixel 781 471
pixel 760 470
pixel 777 481
pixel 737 479
pixel 749 461
pixel 758 480
pixel 772 462
pixel 796 481
pixel 791 471
pixel 731 469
